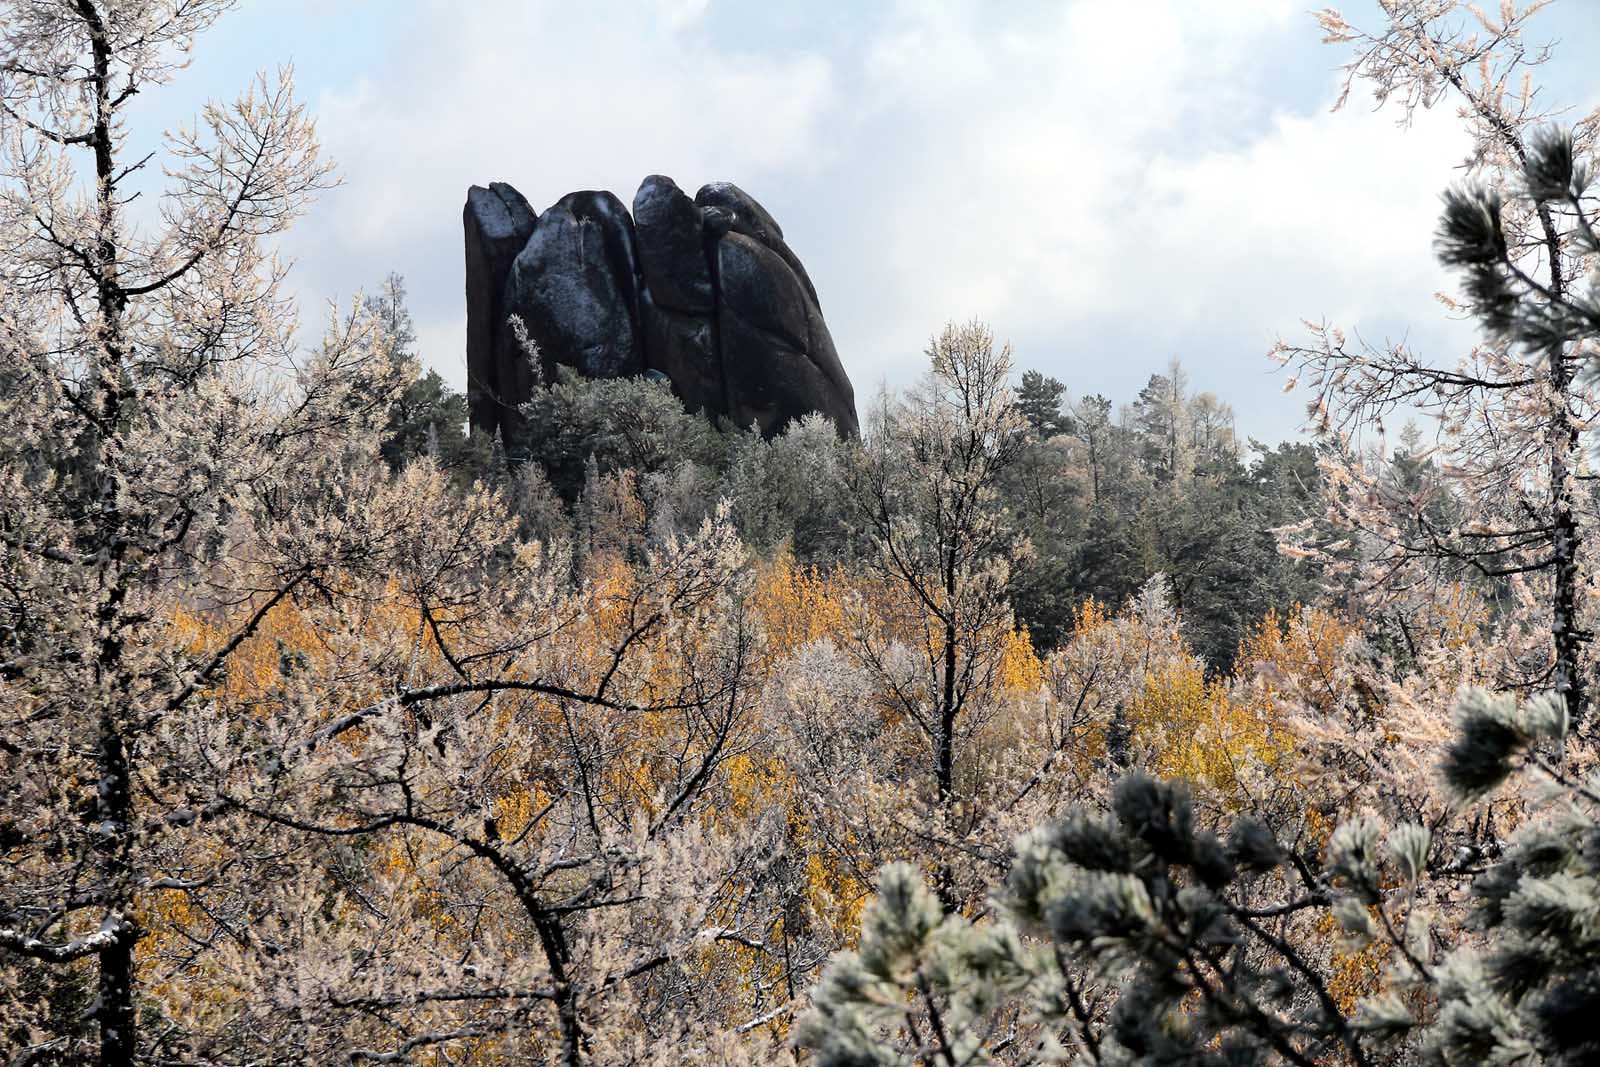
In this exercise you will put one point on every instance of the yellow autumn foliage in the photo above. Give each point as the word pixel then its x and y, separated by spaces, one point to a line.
pixel 1021 669
pixel 1200 733
pixel 1207 730
pixel 798 605
pixel 1300 654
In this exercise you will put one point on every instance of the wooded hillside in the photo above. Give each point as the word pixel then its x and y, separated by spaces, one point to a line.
pixel 1028 726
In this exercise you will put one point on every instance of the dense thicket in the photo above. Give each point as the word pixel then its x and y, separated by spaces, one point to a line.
pixel 1104 501
pixel 1025 728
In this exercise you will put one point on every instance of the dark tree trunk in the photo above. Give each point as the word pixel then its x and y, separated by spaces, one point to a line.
pixel 114 1010
pixel 1566 541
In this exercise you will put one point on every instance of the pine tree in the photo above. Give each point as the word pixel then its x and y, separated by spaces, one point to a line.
pixel 1133 938
pixel 1040 401
pixel 1531 992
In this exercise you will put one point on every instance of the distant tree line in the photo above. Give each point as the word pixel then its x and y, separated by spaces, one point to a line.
pixel 1106 496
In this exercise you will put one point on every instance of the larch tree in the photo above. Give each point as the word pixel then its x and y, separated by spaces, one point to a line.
pixel 152 409
pixel 927 493
pixel 1510 412
pixel 263 695
pixel 1211 425
pixel 1162 417
pixel 505 791
pixel 1091 418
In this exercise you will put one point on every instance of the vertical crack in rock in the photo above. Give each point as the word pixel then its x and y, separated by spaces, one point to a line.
pixel 498 222
pixel 678 298
pixel 704 291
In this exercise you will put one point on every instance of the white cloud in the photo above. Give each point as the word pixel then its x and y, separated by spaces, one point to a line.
pixel 552 98
pixel 1082 198
pixel 680 14
pixel 1084 175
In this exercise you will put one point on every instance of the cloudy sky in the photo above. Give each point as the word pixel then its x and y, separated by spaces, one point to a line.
pixel 1110 183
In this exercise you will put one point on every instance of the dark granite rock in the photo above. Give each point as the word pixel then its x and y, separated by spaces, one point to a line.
pixel 684 347
pixel 672 254
pixel 705 292
pixel 778 359
pixel 729 209
pixel 497 221
pixel 575 287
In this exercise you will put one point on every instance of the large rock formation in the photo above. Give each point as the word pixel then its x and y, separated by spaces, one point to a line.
pixel 704 291
pixel 498 222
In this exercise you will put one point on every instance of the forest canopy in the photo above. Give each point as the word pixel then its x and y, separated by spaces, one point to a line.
pixel 1025 727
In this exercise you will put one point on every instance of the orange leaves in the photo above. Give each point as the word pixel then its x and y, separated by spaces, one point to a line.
pixel 1021 671
pixel 798 605
pixel 256 667
pixel 293 638
pixel 753 784
pixel 1089 617
pixel 835 894
pixel 514 810
pixel 1356 973
pixel 1216 732
pixel 612 588
pixel 1301 655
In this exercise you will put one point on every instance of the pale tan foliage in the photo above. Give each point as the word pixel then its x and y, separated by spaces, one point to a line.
pixel 1505 509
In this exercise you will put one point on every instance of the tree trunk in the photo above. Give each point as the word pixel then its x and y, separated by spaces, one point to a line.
pixel 944 755
pixel 1566 539
pixel 1567 637
pixel 1094 469
pixel 114 1005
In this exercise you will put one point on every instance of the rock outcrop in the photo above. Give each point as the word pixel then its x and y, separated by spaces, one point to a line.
pixel 703 291
pixel 498 222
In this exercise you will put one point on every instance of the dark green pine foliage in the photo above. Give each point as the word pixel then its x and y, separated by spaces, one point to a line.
pixel 430 418
pixel 1133 938
pixel 1218 546
pixel 1213 534
pixel 1040 401
pixel 1533 993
